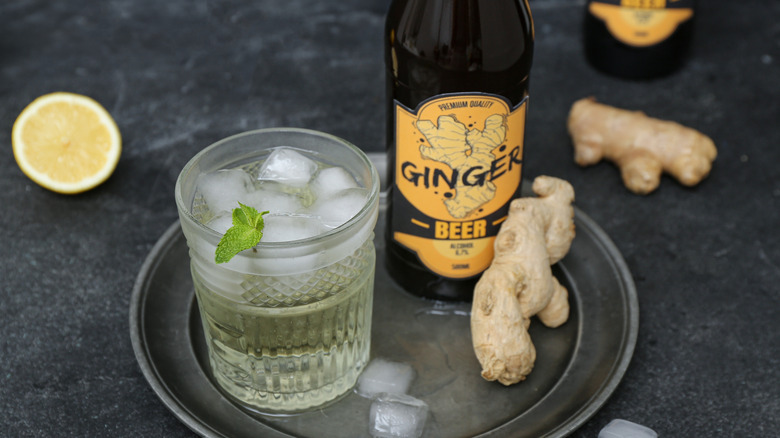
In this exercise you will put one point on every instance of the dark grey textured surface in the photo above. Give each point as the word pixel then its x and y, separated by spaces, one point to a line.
pixel 178 75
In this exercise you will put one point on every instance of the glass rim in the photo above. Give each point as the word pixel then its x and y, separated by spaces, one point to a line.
pixel 373 198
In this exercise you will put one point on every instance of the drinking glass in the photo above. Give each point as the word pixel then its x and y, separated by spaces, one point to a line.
pixel 287 323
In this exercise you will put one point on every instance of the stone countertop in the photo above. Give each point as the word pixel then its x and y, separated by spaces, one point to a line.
pixel 179 75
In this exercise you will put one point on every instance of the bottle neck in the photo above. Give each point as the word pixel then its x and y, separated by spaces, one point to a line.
pixel 442 46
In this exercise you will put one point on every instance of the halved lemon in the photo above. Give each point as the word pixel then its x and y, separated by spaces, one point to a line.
pixel 66 142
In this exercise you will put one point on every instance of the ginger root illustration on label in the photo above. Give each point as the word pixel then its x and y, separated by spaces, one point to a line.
pixel 461 148
pixel 642 147
pixel 519 282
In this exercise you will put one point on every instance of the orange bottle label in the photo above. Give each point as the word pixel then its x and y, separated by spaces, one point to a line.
pixel 458 165
pixel 642 23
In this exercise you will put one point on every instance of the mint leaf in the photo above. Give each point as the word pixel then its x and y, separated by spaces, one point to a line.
pixel 246 232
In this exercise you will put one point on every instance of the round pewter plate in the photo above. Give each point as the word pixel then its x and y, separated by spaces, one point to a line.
pixel 578 364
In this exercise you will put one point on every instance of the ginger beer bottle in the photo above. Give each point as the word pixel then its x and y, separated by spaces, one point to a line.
pixel 457 93
pixel 638 39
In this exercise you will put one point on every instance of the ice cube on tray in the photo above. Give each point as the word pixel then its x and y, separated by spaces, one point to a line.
pixel 397 416
pixel 384 376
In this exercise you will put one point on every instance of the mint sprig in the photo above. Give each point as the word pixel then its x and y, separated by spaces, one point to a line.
pixel 246 232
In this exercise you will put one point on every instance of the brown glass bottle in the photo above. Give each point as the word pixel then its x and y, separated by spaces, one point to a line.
pixel 445 56
pixel 638 39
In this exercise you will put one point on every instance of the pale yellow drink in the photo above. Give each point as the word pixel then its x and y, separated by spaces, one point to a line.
pixel 287 324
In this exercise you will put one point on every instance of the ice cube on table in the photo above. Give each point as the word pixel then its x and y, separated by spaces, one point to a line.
pixel 384 376
pixel 287 227
pixel 331 180
pixel 337 208
pixel 626 429
pixel 223 189
pixel 287 166
pixel 397 416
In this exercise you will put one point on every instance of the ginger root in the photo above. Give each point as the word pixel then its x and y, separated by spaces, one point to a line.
pixel 519 283
pixel 642 147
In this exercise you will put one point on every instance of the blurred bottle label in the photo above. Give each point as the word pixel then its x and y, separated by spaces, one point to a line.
pixel 642 23
pixel 458 165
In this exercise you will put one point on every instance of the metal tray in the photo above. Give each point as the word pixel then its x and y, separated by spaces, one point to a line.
pixel 578 364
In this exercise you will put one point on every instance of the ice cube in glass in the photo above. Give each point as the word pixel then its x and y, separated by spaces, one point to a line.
pixel 330 180
pixel 337 208
pixel 223 189
pixel 288 166
pixel 289 227
pixel 221 222
pixel 267 197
